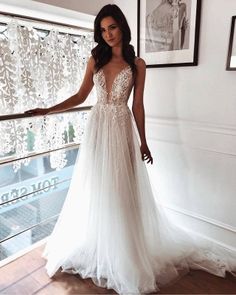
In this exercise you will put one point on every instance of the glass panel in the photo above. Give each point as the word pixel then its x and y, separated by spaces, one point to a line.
pixel 31 198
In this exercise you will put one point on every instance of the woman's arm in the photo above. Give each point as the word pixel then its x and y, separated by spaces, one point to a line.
pixel 74 100
pixel 138 108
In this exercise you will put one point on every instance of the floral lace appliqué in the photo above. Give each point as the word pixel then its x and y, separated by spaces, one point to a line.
pixel 119 90
pixel 114 103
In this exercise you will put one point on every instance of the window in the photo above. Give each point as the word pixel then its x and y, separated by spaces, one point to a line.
pixel 39 67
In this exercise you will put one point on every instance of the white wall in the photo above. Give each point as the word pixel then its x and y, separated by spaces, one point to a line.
pixel 90 7
pixel 191 127
pixel 47 12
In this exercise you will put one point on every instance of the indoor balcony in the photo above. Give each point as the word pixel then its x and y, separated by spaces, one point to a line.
pixel 32 196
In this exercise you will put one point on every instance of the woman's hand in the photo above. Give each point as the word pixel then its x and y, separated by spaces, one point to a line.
pixel 38 112
pixel 146 154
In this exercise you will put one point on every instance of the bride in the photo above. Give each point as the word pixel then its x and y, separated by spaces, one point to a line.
pixel 110 228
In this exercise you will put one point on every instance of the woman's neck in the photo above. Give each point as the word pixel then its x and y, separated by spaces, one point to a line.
pixel 117 52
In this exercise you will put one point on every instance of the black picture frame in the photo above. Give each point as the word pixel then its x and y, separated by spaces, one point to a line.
pixel 166 55
pixel 231 57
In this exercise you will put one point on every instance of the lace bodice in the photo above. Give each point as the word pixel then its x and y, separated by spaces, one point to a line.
pixel 120 88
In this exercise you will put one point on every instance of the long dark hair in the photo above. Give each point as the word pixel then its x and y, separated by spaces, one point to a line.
pixel 102 53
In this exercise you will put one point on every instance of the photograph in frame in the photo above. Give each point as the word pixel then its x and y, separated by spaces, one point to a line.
pixel 168 32
pixel 231 58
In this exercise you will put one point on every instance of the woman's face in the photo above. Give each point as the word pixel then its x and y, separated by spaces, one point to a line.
pixel 111 32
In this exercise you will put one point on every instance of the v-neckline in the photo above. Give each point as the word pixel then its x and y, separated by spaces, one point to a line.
pixel 114 80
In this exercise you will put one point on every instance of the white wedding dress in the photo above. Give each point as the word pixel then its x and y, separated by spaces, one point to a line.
pixel 110 228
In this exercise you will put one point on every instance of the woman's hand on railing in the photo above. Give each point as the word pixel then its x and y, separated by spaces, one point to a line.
pixel 38 111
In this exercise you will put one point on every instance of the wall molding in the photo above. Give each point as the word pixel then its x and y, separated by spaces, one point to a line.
pixel 229 231
pixel 195 135
pixel 191 214
pixel 225 129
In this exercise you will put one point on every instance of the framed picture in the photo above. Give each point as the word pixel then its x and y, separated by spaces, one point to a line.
pixel 168 32
pixel 231 58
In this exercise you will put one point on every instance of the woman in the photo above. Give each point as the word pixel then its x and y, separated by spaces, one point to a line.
pixel 166 26
pixel 110 228
pixel 159 28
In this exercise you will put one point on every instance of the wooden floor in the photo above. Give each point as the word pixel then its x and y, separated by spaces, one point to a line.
pixel 27 275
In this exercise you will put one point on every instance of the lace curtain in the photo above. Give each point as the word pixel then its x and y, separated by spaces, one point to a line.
pixel 40 68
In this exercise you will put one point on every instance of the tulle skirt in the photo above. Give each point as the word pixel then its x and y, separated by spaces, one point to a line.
pixel 110 228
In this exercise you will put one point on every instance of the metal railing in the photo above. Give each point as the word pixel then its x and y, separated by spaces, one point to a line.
pixel 25 115
pixel 69 146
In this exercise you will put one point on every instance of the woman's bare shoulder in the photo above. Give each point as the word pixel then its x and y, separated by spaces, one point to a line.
pixel 91 63
pixel 139 62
